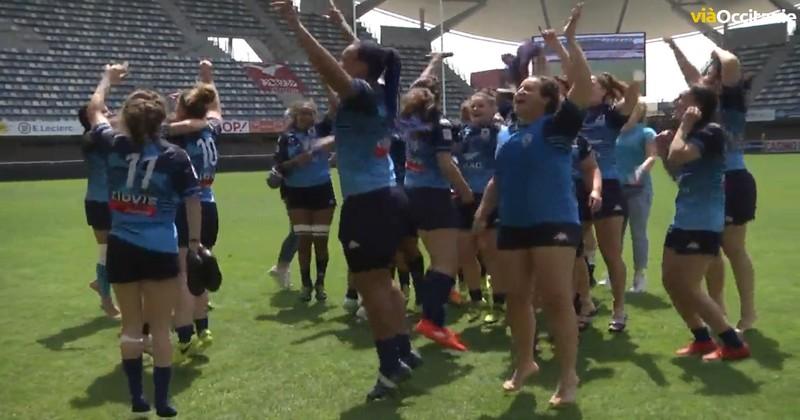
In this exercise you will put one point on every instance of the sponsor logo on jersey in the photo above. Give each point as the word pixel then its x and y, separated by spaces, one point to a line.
pixel 133 203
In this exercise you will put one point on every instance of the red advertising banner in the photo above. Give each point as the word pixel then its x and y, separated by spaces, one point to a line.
pixel 489 79
pixel 274 78
pixel 267 125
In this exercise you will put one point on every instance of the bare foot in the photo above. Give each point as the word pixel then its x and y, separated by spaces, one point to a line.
pixel 566 393
pixel 111 310
pixel 746 323
pixel 519 377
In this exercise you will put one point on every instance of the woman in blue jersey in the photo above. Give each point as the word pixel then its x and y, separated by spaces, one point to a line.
pixel 98 215
pixel 430 172
pixel 374 217
pixel 636 155
pixel 695 156
pixel 197 126
pixel 611 105
pixel 724 76
pixel 148 178
pixel 539 230
pixel 302 158
pixel 475 154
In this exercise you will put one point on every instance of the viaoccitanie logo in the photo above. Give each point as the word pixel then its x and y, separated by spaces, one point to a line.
pixel 723 16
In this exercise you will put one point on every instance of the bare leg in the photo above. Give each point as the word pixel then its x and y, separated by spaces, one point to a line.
pixel 520 316
pixel 734 245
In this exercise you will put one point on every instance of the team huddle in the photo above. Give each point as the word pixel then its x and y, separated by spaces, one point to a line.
pixel 528 184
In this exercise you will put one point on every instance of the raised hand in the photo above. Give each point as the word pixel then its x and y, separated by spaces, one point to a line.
pixel 116 72
pixel 206 70
pixel 691 116
pixel 286 9
pixel 334 14
pixel 669 41
pixel 572 23
pixel 550 38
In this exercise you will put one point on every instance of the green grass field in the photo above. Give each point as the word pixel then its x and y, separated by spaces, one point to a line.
pixel 274 358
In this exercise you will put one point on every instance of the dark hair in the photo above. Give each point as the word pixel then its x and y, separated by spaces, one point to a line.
pixel 385 62
pixel 143 112
pixel 548 89
pixel 195 101
pixel 83 117
pixel 706 100
pixel 614 88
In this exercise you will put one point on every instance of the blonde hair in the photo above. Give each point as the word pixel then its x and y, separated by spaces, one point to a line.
pixel 195 101
pixel 143 112
pixel 294 110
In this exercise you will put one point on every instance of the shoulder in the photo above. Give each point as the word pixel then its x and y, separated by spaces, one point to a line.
pixel 710 138
pixel 215 125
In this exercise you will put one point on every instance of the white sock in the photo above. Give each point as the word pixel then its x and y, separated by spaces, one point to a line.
pixel 101 253
pixel 590 256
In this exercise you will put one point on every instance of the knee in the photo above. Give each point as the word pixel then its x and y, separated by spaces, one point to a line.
pixel 736 253
pixel 131 342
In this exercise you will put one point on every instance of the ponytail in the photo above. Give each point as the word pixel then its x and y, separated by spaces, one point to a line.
pixel 384 62
pixel 391 78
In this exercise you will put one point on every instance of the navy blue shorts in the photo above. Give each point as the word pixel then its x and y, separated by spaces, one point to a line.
pixel 467 212
pixel 318 197
pixel 740 197
pixel 98 215
pixel 128 263
pixel 614 203
pixel 584 211
pixel 371 227
pixel 545 234
pixel 209 225
pixel 693 242
pixel 432 208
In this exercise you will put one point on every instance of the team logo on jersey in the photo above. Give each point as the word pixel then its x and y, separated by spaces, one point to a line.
pixel 471 155
pixel 133 203
pixel 447 134
pixel 486 134
pixel 527 139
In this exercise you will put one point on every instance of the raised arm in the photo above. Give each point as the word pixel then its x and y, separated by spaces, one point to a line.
pixel 333 102
pixel 731 71
pixel 690 72
pixel 327 66
pixel 630 101
pixel 112 75
pixel 336 17
pixel 434 65
pixel 579 73
pixel 540 66
pixel 206 75
pixel 635 117
pixel 681 151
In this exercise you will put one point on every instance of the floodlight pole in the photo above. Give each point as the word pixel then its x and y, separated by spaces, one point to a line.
pixel 441 48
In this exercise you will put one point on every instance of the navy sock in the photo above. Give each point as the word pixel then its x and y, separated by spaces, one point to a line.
pixel 146 329
pixel 499 299
pixel 387 356
pixel 305 277
pixel 133 371
pixel 161 378
pixel 322 267
pixel 483 267
pixel 437 290
pixel 476 295
pixel 201 324
pixel 731 339
pixel 185 333
pixel 403 277
pixel 351 293
pixel 403 342
pixel 416 268
pixel 701 334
